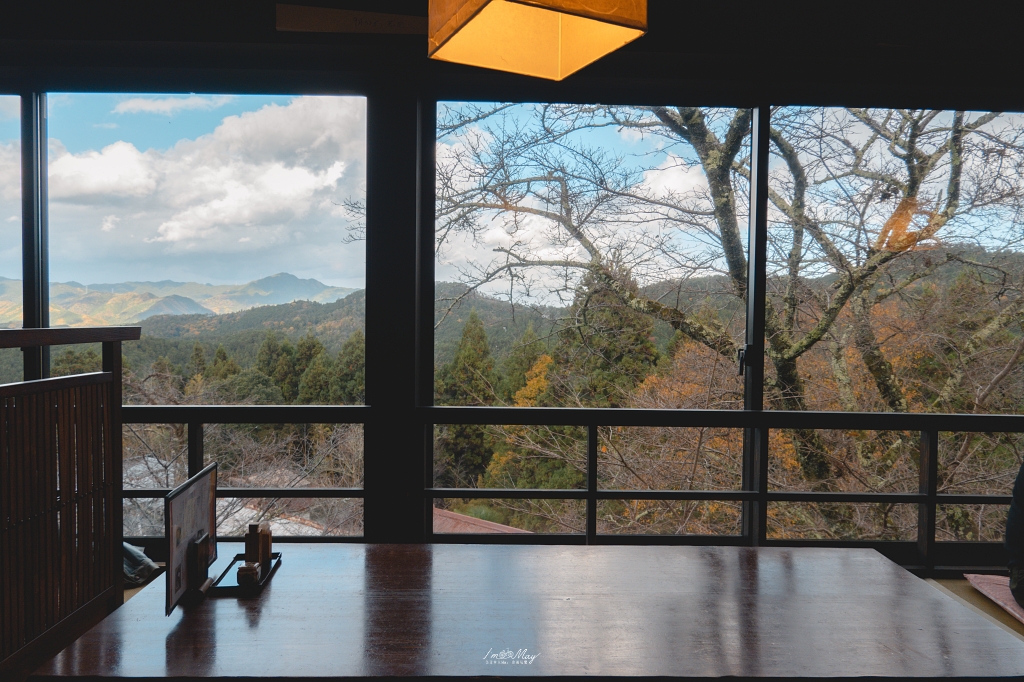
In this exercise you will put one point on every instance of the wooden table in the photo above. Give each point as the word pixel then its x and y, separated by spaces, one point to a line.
pixel 348 610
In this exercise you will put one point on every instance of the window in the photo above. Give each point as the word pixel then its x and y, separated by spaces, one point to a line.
pixel 10 229
pixel 230 228
pixel 594 288
pixel 894 283
pixel 590 257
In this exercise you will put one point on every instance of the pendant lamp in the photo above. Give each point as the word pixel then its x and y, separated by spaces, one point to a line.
pixel 542 38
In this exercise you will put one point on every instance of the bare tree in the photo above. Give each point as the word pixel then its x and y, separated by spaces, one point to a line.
pixel 872 212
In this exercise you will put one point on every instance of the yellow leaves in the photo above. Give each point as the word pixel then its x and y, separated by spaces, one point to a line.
pixel 195 385
pixel 499 464
pixel 536 382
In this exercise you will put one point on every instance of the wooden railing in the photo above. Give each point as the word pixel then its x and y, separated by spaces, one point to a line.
pixel 60 496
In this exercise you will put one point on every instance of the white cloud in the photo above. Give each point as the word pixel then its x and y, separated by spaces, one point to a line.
pixel 107 126
pixel 109 223
pixel 266 184
pixel 10 174
pixel 674 176
pixel 118 170
pixel 10 107
pixel 168 105
pixel 10 206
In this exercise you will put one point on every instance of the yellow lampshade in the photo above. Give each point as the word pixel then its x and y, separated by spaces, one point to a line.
pixel 543 38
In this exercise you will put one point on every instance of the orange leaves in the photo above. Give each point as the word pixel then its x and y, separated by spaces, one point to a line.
pixel 781 446
pixel 896 235
pixel 536 382
pixel 696 377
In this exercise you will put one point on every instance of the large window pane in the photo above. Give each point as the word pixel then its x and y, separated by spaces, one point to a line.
pixel 895 281
pixel 143 517
pixel 668 517
pixel 10 231
pixel 154 455
pixel 867 461
pixel 584 250
pixel 588 256
pixel 970 522
pixel 230 227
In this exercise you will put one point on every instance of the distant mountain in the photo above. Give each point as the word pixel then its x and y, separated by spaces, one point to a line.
pixel 332 323
pixel 174 305
pixel 241 333
pixel 504 323
pixel 72 303
pixel 229 298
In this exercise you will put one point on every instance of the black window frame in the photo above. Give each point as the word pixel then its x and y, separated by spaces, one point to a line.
pixel 399 415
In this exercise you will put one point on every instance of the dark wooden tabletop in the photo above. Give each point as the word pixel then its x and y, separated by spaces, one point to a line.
pixel 348 610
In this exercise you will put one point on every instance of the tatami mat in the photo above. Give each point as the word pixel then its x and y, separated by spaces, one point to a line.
pixel 961 590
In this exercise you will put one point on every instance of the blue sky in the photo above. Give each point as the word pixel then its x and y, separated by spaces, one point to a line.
pixel 219 189
pixel 92 121
pixel 653 247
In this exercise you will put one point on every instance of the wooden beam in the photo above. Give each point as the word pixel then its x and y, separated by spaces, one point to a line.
pixel 60 336
pixel 305 19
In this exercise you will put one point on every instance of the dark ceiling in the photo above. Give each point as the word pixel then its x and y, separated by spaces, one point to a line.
pixel 897 53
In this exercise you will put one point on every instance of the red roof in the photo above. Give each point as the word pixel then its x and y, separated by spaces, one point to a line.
pixel 450 522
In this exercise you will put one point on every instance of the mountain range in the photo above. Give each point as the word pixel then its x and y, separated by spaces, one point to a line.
pixel 75 304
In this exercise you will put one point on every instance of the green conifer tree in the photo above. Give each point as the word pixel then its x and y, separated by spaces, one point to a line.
pixel 252 387
pixel 285 375
pixel 165 375
pixel 469 379
pixel 348 378
pixel 268 354
pixel 197 363
pixel 315 384
pixel 521 359
pixel 308 348
pixel 73 361
pixel 223 366
pixel 604 352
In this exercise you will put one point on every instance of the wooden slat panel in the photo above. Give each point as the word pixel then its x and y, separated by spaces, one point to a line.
pixel 96 488
pixel 79 452
pixel 21 479
pixel 6 486
pixel 37 568
pixel 58 550
pixel 52 530
pixel 66 453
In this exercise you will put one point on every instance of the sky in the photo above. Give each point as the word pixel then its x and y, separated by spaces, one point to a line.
pixel 661 169
pixel 218 189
